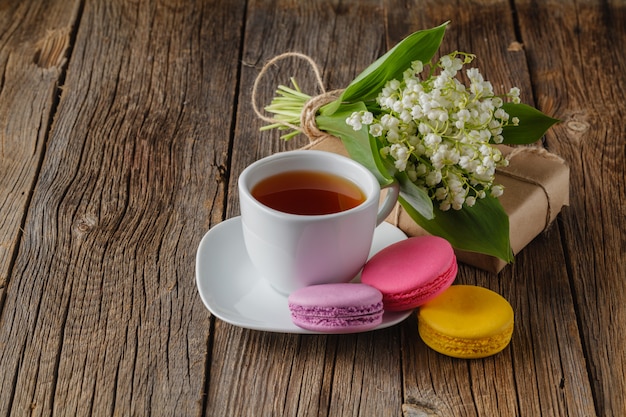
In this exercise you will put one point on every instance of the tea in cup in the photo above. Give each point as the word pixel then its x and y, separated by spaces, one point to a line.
pixel 308 217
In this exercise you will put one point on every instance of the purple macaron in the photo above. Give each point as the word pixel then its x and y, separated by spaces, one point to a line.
pixel 336 308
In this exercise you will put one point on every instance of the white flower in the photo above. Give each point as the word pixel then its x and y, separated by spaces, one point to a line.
pixel 376 130
pixel 405 116
pixel 497 191
pixel 393 136
pixel 433 178
pixel 501 114
pixel 474 75
pixel 441 193
pixel 432 139
pixel 457 201
pixel 485 150
pixel 454 184
pixel 355 121
pixel 441 80
pixel 397 106
pixel 389 122
pixel 416 112
pixel 468 164
pixel 400 153
pixel 400 165
pixel 408 100
pixel 451 65
pixel 463 115
pixel 423 128
pixel 486 106
pixel 387 91
pixel 453 156
pixel 417 66
pixel 438 158
pixel 367 118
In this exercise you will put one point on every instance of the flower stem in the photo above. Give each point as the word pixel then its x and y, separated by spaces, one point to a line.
pixel 287 107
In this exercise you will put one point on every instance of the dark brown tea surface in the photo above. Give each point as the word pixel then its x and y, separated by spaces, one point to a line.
pixel 308 193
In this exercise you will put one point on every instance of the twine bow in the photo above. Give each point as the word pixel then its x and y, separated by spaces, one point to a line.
pixel 308 125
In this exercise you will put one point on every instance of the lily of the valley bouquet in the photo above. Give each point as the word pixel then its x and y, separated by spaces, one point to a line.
pixel 411 120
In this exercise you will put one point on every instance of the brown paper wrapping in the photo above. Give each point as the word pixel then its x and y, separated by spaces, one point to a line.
pixel 536 186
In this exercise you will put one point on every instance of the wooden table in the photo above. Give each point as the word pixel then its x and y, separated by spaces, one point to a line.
pixel 123 128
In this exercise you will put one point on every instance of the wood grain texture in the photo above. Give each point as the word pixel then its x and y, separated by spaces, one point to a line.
pixel 580 79
pixel 338 377
pixel 124 126
pixel 34 42
pixel 102 310
pixel 546 332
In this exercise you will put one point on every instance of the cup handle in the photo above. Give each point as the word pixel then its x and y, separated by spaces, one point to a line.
pixel 393 190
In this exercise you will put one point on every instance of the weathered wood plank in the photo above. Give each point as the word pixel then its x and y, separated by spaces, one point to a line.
pixel 543 372
pixel 34 41
pixel 286 374
pixel 102 309
pixel 499 385
pixel 579 77
pixel 101 314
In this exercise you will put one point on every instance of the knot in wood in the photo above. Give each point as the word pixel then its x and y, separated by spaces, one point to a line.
pixel 85 224
pixel 51 50
pixel 577 126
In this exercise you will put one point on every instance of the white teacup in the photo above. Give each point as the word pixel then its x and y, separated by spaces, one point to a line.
pixel 292 251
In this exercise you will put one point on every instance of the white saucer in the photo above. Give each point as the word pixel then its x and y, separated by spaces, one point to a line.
pixel 232 290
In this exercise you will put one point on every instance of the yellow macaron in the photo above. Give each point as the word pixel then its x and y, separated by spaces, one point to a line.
pixel 466 321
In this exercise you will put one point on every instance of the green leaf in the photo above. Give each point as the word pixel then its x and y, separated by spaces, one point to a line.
pixel 421 45
pixel 360 145
pixel 416 196
pixel 483 228
pixel 533 124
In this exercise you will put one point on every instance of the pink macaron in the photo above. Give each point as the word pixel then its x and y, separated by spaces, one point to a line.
pixel 336 308
pixel 411 272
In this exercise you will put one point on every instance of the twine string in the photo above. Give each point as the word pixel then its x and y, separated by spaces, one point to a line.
pixel 308 126
pixel 535 150
pixel 544 154
pixel 307 118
